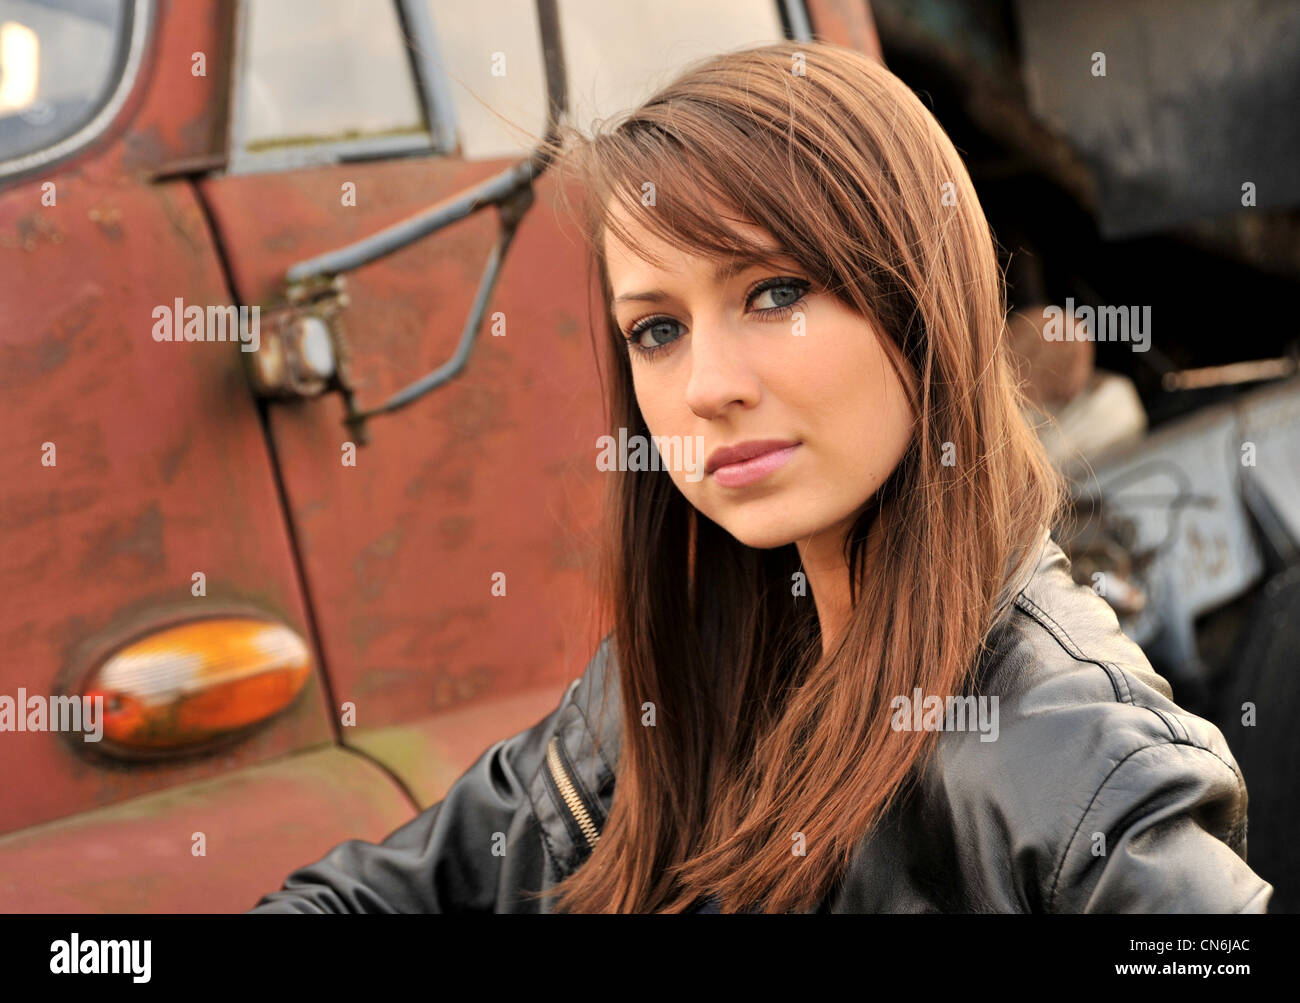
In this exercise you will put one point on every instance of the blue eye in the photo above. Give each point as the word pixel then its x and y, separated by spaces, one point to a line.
pixel 660 331
pixel 783 294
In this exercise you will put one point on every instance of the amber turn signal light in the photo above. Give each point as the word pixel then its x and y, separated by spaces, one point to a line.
pixel 189 684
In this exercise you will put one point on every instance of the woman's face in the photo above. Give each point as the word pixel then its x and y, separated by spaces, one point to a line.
pixel 759 360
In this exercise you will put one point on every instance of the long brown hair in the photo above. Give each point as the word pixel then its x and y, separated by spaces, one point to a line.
pixel 759 736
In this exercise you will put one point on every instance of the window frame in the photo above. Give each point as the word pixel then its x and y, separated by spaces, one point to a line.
pixel 428 79
pixel 794 15
pixel 432 89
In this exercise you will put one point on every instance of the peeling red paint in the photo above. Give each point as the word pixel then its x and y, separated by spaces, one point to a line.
pixel 161 468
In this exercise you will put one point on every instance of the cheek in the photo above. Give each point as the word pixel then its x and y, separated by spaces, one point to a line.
pixel 661 398
pixel 660 388
pixel 855 404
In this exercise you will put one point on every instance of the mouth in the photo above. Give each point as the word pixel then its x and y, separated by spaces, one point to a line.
pixel 743 464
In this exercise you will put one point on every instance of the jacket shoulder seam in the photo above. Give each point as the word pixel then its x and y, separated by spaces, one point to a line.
pixel 1116 674
pixel 1067 644
pixel 1065 855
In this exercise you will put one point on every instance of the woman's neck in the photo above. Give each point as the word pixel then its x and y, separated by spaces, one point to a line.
pixel 823 560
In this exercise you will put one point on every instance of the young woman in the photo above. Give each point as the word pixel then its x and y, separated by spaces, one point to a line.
pixel 847 668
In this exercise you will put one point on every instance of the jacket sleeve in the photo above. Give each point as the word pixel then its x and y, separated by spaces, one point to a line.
pixel 470 852
pixel 1165 832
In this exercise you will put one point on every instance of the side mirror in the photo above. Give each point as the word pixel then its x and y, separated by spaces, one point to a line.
pixel 304 351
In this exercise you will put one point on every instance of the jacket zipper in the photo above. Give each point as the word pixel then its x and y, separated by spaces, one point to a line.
pixel 569 792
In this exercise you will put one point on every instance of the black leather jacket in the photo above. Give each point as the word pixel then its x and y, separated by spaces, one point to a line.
pixel 1099 794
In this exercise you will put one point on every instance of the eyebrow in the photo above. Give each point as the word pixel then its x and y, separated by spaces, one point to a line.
pixel 721 272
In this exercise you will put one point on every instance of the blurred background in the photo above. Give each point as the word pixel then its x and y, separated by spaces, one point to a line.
pixel 300 396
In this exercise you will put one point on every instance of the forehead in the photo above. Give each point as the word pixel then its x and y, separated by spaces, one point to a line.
pixel 653 254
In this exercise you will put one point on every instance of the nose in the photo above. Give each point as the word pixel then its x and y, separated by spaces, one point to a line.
pixel 721 371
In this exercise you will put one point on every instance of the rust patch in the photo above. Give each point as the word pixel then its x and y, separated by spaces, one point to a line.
pixel 566 326
pixel 30 229
pixel 138 541
pixel 24 363
pixel 436 637
pixel 477 411
pixel 371 562
pixel 34 568
pixel 452 688
pixel 107 218
pixel 143 147
pixel 445 689
pixel 455 530
pixel 442 471
pixel 170 461
pixel 364 628
pixel 21 511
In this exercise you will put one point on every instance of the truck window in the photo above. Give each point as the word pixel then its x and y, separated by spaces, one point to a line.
pixel 323 80
pixel 615 55
pixel 60 70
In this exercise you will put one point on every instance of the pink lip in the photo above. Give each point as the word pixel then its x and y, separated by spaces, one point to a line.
pixel 748 462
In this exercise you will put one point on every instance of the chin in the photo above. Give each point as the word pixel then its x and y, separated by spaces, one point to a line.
pixel 769 521
pixel 767 532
